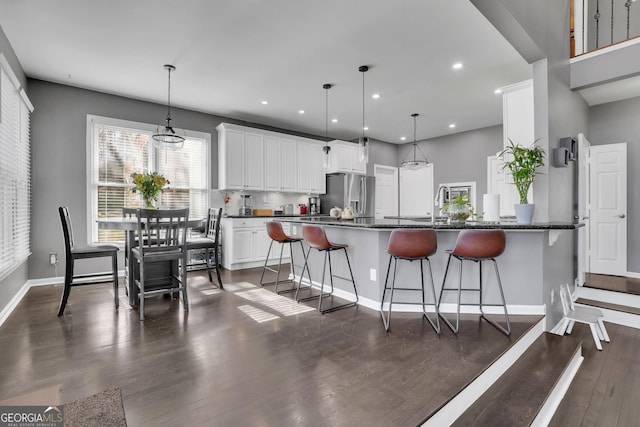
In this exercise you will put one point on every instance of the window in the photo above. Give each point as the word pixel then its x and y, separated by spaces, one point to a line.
pixel 118 148
pixel 15 171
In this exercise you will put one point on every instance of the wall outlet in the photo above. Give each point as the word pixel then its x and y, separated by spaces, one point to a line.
pixel 372 274
pixel 53 259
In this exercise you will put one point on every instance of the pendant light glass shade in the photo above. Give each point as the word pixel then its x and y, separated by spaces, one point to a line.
pixel 326 156
pixel 414 163
pixel 363 142
pixel 166 136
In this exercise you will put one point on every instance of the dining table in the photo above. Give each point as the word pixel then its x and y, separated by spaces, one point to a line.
pixel 130 226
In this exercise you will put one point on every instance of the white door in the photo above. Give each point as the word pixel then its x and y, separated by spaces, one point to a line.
pixel 608 209
pixel 386 192
pixel 583 216
pixel 416 192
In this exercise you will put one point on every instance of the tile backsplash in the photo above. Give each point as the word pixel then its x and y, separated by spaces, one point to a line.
pixel 261 200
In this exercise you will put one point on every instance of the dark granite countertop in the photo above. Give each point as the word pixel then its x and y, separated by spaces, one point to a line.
pixel 278 216
pixel 387 223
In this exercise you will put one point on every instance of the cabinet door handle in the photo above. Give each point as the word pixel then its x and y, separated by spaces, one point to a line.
pixel 622 216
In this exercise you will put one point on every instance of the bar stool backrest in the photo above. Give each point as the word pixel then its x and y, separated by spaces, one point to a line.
pixel 315 237
pixel 412 244
pixel 275 231
pixel 480 244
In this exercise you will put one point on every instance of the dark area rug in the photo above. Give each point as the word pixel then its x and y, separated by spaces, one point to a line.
pixel 103 409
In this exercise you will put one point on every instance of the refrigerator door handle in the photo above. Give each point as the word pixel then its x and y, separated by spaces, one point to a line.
pixel 363 195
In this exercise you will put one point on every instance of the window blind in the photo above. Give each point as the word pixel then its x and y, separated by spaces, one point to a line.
pixel 120 148
pixel 15 171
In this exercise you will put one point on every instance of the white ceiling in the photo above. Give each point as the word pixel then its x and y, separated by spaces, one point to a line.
pixel 232 54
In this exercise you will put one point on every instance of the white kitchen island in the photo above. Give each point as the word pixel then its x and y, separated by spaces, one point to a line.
pixel 538 259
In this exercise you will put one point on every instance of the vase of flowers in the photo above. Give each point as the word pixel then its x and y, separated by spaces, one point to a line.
pixel 149 185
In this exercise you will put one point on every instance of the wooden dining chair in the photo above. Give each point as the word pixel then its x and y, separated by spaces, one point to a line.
pixel 161 237
pixel 73 253
pixel 210 243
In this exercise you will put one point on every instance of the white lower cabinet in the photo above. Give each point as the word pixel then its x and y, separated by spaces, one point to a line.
pixel 245 243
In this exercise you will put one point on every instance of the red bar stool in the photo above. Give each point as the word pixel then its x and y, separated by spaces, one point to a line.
pixel 411 245
pixel 477 246
pixel 315 236
pixel 277 234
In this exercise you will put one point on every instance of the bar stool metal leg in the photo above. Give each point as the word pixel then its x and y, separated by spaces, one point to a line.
pixel 506 330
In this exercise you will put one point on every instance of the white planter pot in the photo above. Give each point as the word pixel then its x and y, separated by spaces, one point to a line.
pixel 524 213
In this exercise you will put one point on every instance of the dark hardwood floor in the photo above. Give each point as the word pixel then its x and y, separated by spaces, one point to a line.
pixel 606 389
pixel 627 285
pixel 242 357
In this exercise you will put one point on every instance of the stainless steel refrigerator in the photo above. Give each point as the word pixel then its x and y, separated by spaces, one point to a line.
pixel 357 191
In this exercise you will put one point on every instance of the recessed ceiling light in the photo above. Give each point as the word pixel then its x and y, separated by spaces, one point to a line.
pixel 452 125
pixel 403 138
pixel 366 128
pixel 334 120
pixel 265 102
pixel 300 111
pixel 497 91
pixel 457 65
pixel 376 96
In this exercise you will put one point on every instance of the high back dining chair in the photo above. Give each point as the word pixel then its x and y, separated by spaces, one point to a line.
pixel 161 238
pixel 210 243
pixel 73 252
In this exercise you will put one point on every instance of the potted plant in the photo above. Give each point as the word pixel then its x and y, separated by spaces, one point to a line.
pixel 458 209
pixel 149 184
pixel 523 163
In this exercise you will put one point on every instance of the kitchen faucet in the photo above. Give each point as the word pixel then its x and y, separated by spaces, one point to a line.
pixel 438 199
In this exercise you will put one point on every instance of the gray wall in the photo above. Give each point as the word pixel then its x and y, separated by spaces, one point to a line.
pixel 10 285
pixel 460 157
pixel 59 158
pixel 619 122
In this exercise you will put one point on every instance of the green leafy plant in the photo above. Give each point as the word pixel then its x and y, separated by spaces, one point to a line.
pixel 523 163
pixel 149 184
pixel 458 209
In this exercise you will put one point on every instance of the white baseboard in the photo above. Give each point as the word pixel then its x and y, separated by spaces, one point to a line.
pixel 619 298
pixel 633 274
pixel 8 309
pixel 456 406
pixel 444 308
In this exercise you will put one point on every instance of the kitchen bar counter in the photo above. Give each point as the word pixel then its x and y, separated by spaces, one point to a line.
pixel 539 258
pixel 388 223
pixel 278 216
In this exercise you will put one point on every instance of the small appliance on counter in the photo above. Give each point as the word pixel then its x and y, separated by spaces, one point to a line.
pixel 247 202
pixel 303 208
pixel 288 209
pixel 314 203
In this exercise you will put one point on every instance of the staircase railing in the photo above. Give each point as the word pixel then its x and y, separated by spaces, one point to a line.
pixel 596 24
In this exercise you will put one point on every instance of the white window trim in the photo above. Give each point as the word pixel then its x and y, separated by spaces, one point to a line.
pixel 6 67
pixel 91 193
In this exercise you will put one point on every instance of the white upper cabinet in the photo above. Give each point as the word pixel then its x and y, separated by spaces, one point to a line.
pixel 261 160
pixel 311 174
pixel 517 113
pixel 279 164
pixel 344 158
pixel 240 159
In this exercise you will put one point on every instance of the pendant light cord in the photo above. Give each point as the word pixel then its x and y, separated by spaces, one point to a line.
pixel 414 136
pixel 363 102
pixel 169 98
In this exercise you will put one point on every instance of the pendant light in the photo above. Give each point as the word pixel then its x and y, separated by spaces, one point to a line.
pixel 326 158
pixel 363 143
pixel 167 136
pixel 415 163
